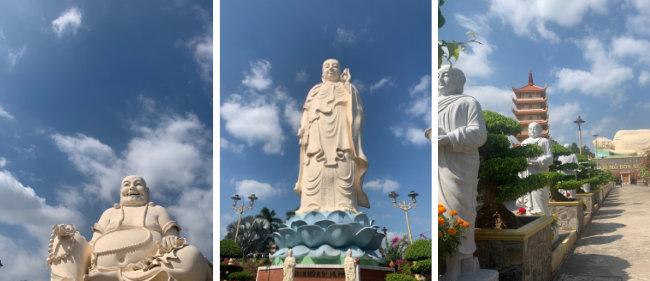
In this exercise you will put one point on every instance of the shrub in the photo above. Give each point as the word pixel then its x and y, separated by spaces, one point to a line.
pixel 229 249
pixel 418 250
pixel 226 269
pixel 240 276
pixel 399 277
pixel 422 267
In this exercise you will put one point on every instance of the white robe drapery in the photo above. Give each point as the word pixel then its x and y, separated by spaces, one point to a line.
pixel 536 201
pixel 460 117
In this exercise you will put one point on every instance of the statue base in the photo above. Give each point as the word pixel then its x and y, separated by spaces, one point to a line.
pixel 478 275
pixel 323 272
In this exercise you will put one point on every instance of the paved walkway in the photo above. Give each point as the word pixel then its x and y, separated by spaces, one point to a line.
pixel 616 245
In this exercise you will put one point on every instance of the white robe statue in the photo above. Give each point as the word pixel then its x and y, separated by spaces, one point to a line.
pixel 566 159
pixel 288 266
pixel 461 131
pixel 134 240
pixel 536 201
pixel 350 267
pixel 332 162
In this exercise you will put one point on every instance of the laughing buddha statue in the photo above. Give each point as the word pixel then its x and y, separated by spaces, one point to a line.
pixel 134 240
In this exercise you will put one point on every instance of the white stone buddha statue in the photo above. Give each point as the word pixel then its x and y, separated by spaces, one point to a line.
pixel 536 201
pixel 332 162
pixel 134 240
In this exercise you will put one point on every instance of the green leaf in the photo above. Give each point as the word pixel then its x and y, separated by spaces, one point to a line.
pixel 454 49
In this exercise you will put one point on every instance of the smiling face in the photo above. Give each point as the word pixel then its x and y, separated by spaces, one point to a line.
pixel 134 191
pixel 331 70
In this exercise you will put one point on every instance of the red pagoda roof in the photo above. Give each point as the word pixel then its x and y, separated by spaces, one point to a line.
pixel 528 111
pixel 530 87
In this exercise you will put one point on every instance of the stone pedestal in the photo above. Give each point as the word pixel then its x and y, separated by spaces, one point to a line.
pixel 570 215
pixel 588 199
pixel 518 254
pixel 323 272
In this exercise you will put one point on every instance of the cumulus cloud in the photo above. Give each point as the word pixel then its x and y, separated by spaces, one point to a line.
pixel 68 22
pixel 258 77
pixel 475 62
pixel 226 144
pixel 532 18
pixel 301 76
pixel 5 114
pixel 492 98
pixel 20 261
pixel 637 23
pixel 262 190
pixel 21 206
pixel 605 76
pixel 383 82
pixel 422 87
pixel 256 116
pixel 411 135
pixel 382 185
pixel 202 51
pixel 644 78
pixel 194 213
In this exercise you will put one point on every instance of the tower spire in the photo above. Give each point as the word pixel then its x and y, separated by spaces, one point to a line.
pixel 530 78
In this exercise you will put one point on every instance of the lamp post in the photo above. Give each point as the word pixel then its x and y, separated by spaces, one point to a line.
pixel 241 208
pixel 579 121
pixel 405 206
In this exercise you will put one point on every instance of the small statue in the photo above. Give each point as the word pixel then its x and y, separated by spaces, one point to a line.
pixel 566 159
pixel 332 162
pixel 350 267
pixel 288 266
pixel 536 201
pixel 134 240
pixel 461 131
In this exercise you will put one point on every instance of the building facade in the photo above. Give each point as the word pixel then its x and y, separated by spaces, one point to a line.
pixel 625 169
pixel 531 105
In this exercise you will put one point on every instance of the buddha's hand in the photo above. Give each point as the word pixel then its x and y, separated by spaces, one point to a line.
pixel 169 243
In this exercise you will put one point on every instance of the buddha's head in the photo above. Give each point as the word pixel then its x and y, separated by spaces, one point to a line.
pixel 134 191
pixel 331 70
pixel 451 81
pixel 534 130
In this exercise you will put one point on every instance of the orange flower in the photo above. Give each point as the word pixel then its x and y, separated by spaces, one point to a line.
pixel 441 209
pixel 465 224
pixel 441 220
pixel 460 221
pixel 453 212
pixel 452 231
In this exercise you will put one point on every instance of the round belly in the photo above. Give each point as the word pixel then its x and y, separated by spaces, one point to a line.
pixel 123 247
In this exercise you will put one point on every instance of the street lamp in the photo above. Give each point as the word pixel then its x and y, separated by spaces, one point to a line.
pixel 579 121
pixel 405 206
pixel 241 208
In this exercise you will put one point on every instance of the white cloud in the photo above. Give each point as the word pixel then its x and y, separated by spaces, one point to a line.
pixel 531 18
pixel 261 189
pixel 258 77
pixel 10 55
pixel 383 82
pixel 292 115
pixel 421 107
pixel 21 261
pixel 422 87
pixel 411 135
pixel 301 76
pixel 254 124
pixel 564 115
pixel 474 60
pixel 202 51
pixel 492 98
pixel 5 114
pixel 226 144
pixel 644 78
pixel 383 185
pixel 21 206
pixel 637 23
pixel 3 162
pixel 194 213
pixel 606 75
pixel 630 47
pixel 346 36
pixel 68 22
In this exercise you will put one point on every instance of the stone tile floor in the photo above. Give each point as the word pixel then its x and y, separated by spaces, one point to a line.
pixel 616 245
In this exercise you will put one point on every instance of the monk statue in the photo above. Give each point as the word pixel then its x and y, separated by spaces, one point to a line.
pixel 461 131
pixel 332 162
pixel 536 201
pixel 288 266
pixel 350 267
pixel 134 240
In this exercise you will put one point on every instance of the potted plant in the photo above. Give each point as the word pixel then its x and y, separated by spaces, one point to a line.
pixel 450 230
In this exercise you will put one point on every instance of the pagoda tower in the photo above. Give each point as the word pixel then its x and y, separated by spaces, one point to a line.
pixel 531 105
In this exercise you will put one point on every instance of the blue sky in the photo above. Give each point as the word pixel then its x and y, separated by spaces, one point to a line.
pixel 271 56
pixel 594 55
pixel 91 92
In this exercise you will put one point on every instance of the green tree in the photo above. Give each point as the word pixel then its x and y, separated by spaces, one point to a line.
pixel 271 218
pixel 451 49
pixel 253 236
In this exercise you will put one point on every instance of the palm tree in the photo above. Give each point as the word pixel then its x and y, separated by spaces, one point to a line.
pixel 269 216
pixel 254 234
